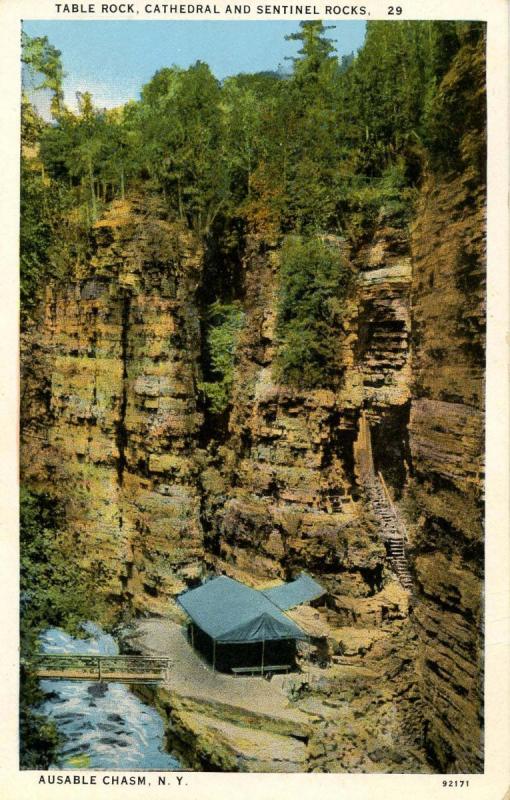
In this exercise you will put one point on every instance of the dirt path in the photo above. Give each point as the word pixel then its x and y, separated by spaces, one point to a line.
pixel 190 676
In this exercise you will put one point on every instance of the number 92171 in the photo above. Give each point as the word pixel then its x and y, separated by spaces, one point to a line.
pixel 455 784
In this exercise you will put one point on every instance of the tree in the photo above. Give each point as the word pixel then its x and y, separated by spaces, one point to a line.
pixel 315 55
pixel 87 150
pixel 40 58
pixel 242 127
pixel 40 213
pixel 184 142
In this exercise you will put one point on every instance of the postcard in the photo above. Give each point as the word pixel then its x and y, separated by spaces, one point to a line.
pixel 255 507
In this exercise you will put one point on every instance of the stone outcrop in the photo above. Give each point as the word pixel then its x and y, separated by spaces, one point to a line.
pixel 367 714
pixel 384 316
pixel 219 737
pixel 361 714
pixel 110 410
pixel 112 419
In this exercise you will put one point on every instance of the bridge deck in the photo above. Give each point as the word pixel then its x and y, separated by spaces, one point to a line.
pixel 122 668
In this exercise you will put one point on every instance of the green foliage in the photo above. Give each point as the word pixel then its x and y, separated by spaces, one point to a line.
pixel 51 241
pixel 53 592
pixel 328 148
pixel 363 202
pixel 390 90
pixel 316 54
pixel 87 152
pixel 265 146
pixel 313 156
pixel 179 129
pixel 43 66
pixel 314 283
pixel 39 738
pixel 455 111
pixel 266 143
pixel 36 233
pixel 224 324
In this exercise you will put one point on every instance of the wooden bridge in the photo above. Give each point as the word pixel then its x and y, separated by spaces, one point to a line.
pixel 391 527
pixel 118 669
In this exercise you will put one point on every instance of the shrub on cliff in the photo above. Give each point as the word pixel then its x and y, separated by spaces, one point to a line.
pixel 224 323
pixel 314 283
pixel 364 201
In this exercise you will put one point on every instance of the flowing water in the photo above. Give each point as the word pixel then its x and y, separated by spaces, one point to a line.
pixel 104 724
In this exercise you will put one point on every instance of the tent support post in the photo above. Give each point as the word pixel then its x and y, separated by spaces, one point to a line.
pixel 263 644
pixel 214 656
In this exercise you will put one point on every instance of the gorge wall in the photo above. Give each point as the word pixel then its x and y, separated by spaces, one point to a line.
pixel 446 433
pixel 293 494
pixel 113 421
pixel 446 442
pixel 110 406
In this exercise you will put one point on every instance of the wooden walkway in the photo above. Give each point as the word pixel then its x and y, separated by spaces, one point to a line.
pixel 118 669
pixel 391 527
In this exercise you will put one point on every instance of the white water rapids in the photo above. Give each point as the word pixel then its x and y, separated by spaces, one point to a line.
pixel 104 724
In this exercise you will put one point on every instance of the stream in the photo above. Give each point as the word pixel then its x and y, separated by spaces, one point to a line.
pixel 105 725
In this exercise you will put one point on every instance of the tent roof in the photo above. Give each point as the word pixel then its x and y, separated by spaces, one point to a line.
pixel 229 611
pixel 301 590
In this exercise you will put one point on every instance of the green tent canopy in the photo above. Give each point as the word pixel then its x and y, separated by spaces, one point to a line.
pixel 230 612
pixel 301 590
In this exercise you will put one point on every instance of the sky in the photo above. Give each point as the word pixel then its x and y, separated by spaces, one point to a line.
pixel 113 59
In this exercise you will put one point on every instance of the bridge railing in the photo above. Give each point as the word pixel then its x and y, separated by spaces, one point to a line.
pixel 401 528
pixel 99 667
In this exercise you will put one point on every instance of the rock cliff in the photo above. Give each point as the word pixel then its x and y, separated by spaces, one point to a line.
pixel 446 442
pixel 110 406
pixel 293 497
pixel 446 437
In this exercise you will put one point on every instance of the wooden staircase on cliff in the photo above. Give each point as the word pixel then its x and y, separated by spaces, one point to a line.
pixel 391 528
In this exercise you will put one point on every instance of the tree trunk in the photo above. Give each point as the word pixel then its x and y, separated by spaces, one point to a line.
pixel 93 203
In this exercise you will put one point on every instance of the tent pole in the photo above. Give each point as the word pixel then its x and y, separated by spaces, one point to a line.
pixel 214 656
pixel 263 643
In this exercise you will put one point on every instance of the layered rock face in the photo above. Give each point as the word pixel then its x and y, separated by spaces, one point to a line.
pixel 112 424
pixel 291 498
pixel 446 439
pixel 384 317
